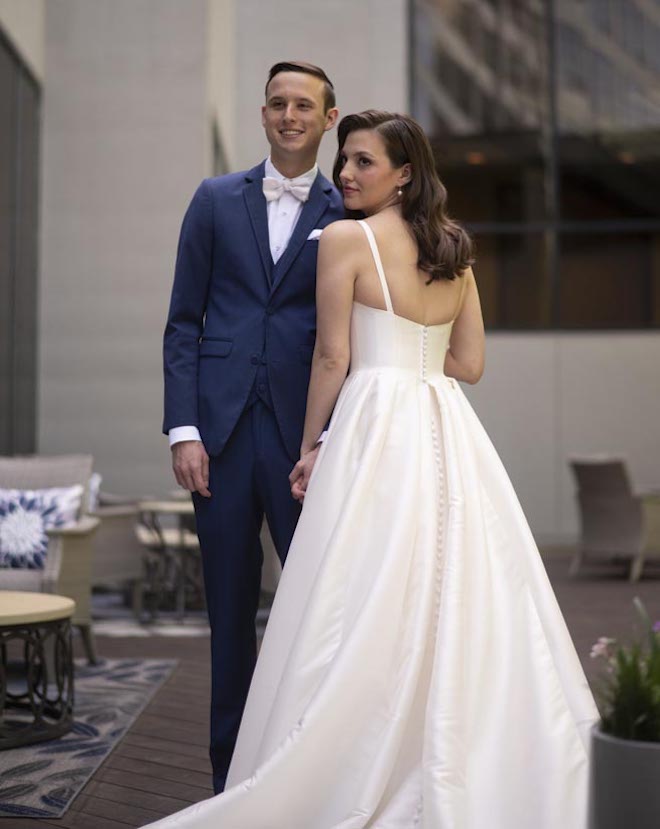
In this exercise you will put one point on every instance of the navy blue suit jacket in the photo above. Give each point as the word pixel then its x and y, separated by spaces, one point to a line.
pixel 232 309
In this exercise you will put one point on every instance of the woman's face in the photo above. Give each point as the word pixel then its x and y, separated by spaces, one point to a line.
pixel 369 182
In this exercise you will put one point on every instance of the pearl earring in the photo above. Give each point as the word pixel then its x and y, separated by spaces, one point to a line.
pixel 400 192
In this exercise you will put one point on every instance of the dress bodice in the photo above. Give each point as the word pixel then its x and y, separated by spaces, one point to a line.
pixel 381 339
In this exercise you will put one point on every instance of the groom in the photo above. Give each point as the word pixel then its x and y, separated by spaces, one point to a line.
pixel 237 352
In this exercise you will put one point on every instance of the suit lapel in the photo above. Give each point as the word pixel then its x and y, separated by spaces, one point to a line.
pixel 256 206
pixel 314 208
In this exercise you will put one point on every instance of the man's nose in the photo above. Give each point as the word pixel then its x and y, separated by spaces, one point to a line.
pixel 289 113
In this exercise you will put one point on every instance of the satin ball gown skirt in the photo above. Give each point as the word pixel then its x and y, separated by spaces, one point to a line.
pixel 416 670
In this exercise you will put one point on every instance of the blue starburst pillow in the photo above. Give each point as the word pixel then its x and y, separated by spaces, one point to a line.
pixel 26 514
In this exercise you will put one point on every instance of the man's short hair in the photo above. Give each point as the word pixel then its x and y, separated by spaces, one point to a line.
pixel 307 69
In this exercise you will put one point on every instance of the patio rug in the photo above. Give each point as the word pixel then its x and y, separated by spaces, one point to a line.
pixel 42 780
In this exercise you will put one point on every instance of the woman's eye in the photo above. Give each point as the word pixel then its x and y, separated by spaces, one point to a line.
pixel 364 162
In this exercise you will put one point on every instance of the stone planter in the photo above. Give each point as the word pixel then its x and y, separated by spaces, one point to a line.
pixel 624 784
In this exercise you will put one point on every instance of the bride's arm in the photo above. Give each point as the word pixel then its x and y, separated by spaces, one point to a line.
pixel 465 357
pixel 336 272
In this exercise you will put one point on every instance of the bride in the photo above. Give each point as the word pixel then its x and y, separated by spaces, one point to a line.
pixel 416 670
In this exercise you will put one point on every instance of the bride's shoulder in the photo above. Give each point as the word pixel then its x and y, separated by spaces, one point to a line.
pixel 338 232
pixel 340 237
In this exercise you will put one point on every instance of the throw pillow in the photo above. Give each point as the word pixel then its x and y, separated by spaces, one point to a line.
pixel 26 514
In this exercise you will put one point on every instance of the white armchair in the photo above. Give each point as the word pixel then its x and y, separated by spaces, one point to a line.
pixel 68 566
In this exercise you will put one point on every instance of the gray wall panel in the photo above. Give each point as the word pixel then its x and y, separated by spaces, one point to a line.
pixel 124 133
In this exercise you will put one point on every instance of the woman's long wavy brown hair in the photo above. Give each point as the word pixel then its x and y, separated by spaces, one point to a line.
pixel 445 248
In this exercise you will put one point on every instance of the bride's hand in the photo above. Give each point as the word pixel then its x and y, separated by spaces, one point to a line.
pixel 301 473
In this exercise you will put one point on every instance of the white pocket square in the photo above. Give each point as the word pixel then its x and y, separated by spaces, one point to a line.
pixel 315 234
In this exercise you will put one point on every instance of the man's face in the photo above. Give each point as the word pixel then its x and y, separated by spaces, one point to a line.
pixel 294 116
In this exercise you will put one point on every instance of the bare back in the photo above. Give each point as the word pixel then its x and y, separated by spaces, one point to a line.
pixel 426 304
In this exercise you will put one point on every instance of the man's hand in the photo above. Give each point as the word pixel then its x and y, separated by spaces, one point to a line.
pixel 191 466
pixel 301 473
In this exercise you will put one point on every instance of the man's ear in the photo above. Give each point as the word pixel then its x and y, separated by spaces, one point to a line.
pixel 331 118
pixel 263 116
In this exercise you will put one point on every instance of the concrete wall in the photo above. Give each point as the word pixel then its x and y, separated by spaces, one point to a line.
pixel 361 45
pixel 221 48
pixel 546 397
pixel 125 117
pixel 23 23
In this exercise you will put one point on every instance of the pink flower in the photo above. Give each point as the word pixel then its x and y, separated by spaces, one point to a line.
pixel 656 627
pixel 603 648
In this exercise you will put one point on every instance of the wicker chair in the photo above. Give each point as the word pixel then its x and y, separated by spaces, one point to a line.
pixel 615 522
pixel 68 566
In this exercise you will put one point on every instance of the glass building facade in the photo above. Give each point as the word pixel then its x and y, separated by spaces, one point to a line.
pixel 545 120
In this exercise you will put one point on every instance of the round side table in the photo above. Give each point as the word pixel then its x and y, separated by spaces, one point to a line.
pixel 36 690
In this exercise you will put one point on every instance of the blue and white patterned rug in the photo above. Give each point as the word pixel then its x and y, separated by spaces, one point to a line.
pixel 42 780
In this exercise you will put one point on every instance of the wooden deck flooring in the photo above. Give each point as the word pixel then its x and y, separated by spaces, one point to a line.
pixel 162 765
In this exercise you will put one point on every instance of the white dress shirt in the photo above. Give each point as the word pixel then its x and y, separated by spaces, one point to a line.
pixel 283 213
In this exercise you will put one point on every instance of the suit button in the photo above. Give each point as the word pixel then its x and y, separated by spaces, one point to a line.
pixel 270 312
pixel 254 359
pixel 262 388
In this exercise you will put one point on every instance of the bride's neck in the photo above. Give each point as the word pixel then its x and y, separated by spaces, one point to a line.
pixel 390 207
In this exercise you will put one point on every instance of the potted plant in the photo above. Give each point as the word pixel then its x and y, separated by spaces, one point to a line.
pixel 625 747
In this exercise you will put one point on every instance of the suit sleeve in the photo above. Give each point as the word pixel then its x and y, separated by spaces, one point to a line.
pixel 185 320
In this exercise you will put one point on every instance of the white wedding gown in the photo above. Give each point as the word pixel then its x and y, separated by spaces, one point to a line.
pixel 416 670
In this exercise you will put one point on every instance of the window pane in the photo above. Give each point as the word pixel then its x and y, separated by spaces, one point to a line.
pixel 545 123
pixel 609 280
pixel 479 82
pixel 513 277
pixel 608 109
pixel 491 191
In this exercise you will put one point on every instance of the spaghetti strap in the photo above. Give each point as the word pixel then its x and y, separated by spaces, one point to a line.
pixel 379 265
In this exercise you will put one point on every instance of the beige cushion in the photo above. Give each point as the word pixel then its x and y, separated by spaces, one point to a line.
pixel 44 471
pixel 21 579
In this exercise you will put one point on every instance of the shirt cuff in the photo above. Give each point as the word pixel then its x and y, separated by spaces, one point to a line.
pixel 181 433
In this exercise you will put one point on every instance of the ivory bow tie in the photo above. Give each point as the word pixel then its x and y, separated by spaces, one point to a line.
pixel 274 187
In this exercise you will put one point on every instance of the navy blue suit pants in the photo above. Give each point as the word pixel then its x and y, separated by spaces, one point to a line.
pixel 247 480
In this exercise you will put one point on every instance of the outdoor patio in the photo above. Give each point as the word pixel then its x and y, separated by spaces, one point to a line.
pixel 161 764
